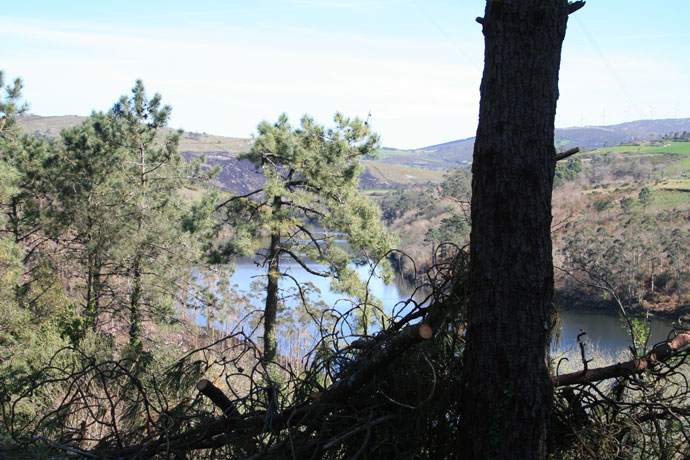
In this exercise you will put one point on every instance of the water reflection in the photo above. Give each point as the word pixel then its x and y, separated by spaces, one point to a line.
pixel 605 331
pixel 392 295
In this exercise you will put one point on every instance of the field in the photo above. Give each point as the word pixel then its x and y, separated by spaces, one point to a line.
pixel 682 148
pixel 675 155
pixel 678 148
pixel 562 143
pixel 386 152
pixel 681 166
pixel 50 127
pixel 199 143
pixel 401 174
pixel 414 159
pixel 671 199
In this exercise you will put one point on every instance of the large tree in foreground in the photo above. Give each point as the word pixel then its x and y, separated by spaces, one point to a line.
pixel 507 393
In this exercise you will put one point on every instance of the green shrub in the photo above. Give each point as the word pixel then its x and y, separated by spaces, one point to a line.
pixel 652 297
pixel 685 300
pixel 662 279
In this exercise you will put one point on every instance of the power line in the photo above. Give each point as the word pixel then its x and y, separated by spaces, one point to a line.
pixel 632 101
pixel 447 35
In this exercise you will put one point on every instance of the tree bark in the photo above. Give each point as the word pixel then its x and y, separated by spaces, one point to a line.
pixel 507 391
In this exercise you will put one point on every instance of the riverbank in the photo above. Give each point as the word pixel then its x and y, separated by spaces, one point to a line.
pixel 666 307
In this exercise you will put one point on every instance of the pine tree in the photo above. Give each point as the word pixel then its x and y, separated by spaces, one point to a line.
pixel 10 105
pixel 120 177
pixel 23 189
pixel 308 202
pixel 10 252
pixel 646 197
pixel 34 305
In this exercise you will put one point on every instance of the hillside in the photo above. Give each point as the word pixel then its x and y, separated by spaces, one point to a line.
pixel 439 157
pixel 621 218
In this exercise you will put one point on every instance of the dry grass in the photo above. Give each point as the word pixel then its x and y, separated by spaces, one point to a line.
pixel 189 142
pixel 406 175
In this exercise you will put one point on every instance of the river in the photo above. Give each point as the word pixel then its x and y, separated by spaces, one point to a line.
pixel 605 331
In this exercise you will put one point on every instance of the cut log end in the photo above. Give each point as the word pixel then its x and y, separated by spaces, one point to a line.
pixel 203 384
pixel 425 331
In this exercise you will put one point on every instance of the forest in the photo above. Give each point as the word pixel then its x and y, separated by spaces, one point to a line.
pixel 122 336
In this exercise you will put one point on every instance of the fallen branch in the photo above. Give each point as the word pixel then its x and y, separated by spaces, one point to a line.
pixel 354 431
pixel 661 353
pixel 55 445
pixel 315 413
pixel 222 431
pixel 378 360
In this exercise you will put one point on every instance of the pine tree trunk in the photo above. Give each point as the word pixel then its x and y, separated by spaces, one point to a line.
pixel 90 310
pixel 134 307
pixel 135 314
pixel 507 393
pixel 271 306
pixel 14 221
pixel 93 287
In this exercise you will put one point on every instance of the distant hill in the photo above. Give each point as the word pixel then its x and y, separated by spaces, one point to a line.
pixel 439 157
pixel 592 137
pixel 393 167
pixel 587 137
pixel 240 176
pixel 50 127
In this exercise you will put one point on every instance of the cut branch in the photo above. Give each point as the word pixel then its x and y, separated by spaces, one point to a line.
pixel 574 6
pixel 567 153
pixel 659 354
pixel 219 398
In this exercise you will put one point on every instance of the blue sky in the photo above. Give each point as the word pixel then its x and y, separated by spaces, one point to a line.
pixel 415 64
